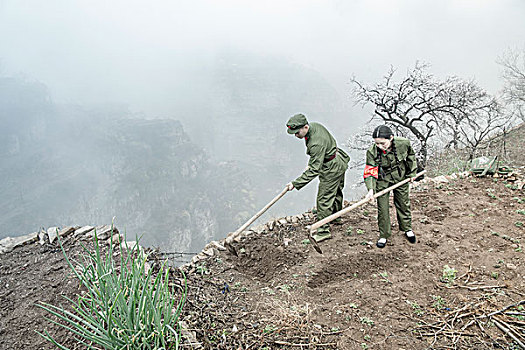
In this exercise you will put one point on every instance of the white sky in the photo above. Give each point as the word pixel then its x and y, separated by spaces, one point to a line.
pixel 128 51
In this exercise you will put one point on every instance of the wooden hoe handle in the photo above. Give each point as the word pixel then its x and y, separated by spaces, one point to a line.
pixel 334 216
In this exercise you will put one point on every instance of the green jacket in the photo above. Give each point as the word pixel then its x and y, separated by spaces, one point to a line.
pixel 321 146
pixel 393 171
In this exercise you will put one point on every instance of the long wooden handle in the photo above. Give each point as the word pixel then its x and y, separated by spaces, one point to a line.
pixel 260 212
pixel 334 216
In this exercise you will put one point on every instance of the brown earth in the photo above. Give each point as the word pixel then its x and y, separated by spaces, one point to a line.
pixel 281 294
pixel 30 275
pixel 356 296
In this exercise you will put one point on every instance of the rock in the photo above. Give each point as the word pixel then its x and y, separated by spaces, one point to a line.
pixel 83 230
pixel 5 248
pixel 209 252
pixel 9 243
pixel 271 225
pixel 52 234
pixel 216 245
pixel 115 239
pixel 440 179
pixel 283 221
pixel 511 266
pixel 195 259
pixel 259 229
pixel 66 231
pixel 294 220
pixel 202 256
pixel 42 236
pixel 13 242
pixel 103 232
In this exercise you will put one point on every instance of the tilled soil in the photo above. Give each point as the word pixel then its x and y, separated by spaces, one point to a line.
pixel 282 294
pixel 279 293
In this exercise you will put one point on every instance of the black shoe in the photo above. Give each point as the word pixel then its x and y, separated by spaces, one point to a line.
pixel 381 243
pixel 410 236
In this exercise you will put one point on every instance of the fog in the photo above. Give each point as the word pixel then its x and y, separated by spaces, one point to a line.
pixel 232 73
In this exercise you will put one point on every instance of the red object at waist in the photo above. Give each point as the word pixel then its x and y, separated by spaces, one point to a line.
pixel 330 158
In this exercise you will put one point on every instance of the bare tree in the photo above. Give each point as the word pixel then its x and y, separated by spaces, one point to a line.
pixel 480 126
pixel 426 109
pixel 513 63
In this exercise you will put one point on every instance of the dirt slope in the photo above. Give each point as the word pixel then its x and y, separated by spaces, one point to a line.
pixel 355 296
pixel 280 294
pixel 29 275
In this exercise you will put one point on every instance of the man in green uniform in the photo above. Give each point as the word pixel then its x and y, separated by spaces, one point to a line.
pixel 326 161
pixel 389 161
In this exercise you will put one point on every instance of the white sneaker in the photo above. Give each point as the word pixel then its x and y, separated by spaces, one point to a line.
pixel 381 243
pixel 410 236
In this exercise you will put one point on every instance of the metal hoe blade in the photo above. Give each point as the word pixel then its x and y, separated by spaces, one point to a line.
pixel 314 244
pixel 231 248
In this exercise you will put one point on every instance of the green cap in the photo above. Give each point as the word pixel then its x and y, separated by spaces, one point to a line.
pixel 296 122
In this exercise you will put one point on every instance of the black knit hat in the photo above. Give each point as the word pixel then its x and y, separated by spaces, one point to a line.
pixel 383 132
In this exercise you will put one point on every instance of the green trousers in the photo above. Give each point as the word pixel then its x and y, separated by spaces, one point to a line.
pixel 402 204
pixel 329 198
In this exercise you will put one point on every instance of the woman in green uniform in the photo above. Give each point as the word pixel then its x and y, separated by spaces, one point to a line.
pixel 390 160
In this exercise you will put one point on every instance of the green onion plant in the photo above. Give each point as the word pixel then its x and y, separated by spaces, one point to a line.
pixel 124 306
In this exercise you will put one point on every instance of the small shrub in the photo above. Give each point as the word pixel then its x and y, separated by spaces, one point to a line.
pixel 439 302
pixel 202 270
pixel 417 309
pixel 449 275
pixel 366 320
pixel 269 329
